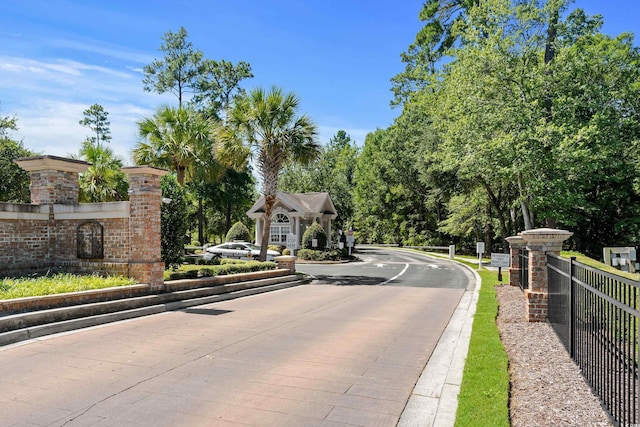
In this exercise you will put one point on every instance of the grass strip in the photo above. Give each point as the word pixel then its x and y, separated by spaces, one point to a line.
pixel 59 283
pixel 484 392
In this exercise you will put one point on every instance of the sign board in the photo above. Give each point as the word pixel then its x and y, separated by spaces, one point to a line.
pixel 500 260
pixel 292 241
pixel 340 245
pixel 314 243
pixel 480 247
pixel 350 241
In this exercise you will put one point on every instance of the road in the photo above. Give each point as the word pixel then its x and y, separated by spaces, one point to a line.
pixel 332 353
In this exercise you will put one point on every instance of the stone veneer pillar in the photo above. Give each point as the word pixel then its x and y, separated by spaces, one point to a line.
pixel 54 180
pixel 516 243
pixel 145 197
pixel 539 242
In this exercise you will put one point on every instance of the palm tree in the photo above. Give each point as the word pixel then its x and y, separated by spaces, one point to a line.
pixel 265 126
pixel 103 181
pixel 173 137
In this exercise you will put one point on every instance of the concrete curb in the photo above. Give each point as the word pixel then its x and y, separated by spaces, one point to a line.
pixel 434 400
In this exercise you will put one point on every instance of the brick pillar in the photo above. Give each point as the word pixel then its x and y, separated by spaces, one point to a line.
pixel 539 242
pixel 516 244
pixel 54 180
pixel 145 197
pixel 286 262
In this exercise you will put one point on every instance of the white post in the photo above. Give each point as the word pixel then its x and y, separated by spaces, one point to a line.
pixel 452 251
pixel 259 231
pixel 328 245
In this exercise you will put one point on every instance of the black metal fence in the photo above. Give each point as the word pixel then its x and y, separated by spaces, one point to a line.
pixel 595 314
pixel 524 269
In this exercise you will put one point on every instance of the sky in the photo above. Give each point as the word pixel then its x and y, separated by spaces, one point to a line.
pixel 58 57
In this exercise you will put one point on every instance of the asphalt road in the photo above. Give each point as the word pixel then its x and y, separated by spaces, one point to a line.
pixel 332 353
pixel 391 267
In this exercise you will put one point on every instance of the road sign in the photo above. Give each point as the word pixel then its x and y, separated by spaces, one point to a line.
pixel 500 260
pixel 480 247
pixel 292 241
pixel 351 240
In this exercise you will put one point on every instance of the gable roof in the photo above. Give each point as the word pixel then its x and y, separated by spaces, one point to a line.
pixel 303 203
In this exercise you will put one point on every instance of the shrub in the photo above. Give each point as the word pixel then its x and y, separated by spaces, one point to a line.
pixel 173 226
pixel 238 232
pixel 212 261
pixel 315 231
pixel 193 272
pixel 276 248
pixel 314 255
pixel 286 252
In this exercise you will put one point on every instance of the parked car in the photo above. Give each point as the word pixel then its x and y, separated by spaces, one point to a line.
pixel 239 250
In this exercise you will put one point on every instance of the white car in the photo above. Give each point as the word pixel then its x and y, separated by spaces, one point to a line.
pixel 239 250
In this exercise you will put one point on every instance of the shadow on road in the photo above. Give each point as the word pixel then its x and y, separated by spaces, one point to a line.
pixel 348 280
pixel 207 311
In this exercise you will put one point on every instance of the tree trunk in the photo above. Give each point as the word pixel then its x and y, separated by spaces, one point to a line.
pixel 200 222
pixel 269 201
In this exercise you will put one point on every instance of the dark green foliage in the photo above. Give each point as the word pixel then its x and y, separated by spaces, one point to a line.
pixel 173 225
pixel 315 231
pixel 315 255
pixel 14 185
pixel 238 232
pixel 221 270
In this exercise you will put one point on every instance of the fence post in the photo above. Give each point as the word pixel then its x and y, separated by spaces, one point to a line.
pixel 516 243
pixel 452 251
pixel 572 307
pixel 539 242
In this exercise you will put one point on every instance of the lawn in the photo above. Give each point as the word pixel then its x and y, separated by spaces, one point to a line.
pixel 58 283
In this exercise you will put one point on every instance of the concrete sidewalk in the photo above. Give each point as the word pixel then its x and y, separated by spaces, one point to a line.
pixel 434 400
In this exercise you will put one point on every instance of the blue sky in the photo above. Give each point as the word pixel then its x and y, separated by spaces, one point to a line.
pixel 58 57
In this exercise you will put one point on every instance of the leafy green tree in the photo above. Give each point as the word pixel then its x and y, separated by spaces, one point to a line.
pixel 6 124
pixel 266 125
pixel 238 231
pixel 333 172
pixel 172 139
pixel 315 231
pixel 173 226
pixel 14 186
pixel 103 181
pixel 178 70
pixel 96 119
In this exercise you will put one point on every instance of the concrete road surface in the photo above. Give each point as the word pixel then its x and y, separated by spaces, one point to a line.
pixel 338 353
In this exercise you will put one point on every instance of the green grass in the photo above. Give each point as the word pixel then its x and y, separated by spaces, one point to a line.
pixel 597 264
pixel 484 393
pixel 57 284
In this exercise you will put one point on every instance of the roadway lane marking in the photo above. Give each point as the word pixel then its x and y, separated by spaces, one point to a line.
pixel 406 266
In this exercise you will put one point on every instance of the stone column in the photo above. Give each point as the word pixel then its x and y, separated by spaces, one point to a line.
pixel 516 244
pixel 54 180
pixel 145 197
pixel 539 242
pixel 328 231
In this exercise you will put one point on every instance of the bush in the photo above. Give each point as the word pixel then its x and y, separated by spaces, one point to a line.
pixel 212 261
pixel 277 248
pixel 193 272
pixel 286 252
pixel 314 255
pixel 238 232
pixel 173 226
pixel 315 231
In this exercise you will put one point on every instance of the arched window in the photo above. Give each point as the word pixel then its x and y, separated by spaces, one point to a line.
pixel 280 227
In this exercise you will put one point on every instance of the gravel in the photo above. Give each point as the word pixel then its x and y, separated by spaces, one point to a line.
pixel 547 388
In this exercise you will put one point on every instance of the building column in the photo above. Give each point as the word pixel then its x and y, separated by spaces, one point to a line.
pixel 539 242
pixel 328 231
pixel 296 231
pixel 259 224
pixel 516 244
pixel 145 197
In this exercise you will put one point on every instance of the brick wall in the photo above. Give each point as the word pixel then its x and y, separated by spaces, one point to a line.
pixel 44 235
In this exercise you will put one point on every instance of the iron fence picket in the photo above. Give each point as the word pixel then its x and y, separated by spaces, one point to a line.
pixel 595 315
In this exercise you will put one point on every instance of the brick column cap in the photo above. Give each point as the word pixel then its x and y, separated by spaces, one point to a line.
pixel 144 170
pixel 52 163
pixel 545 235
pixel 515 241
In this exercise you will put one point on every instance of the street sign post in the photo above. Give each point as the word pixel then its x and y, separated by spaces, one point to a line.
pixel 500 260
pixel 479 251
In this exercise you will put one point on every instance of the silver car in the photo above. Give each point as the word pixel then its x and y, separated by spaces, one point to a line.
pixel 239 250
